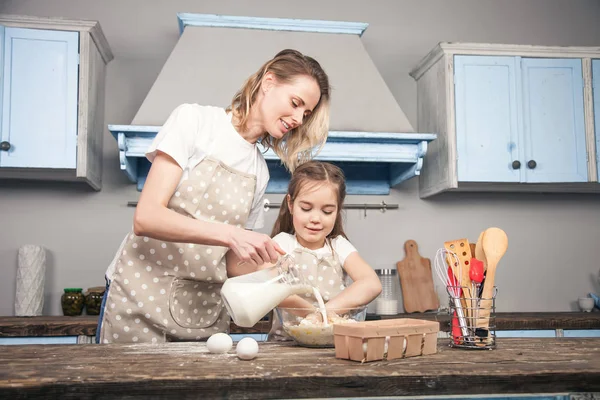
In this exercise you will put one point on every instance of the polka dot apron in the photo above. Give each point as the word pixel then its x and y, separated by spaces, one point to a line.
pixel 165 291
pixel 323 272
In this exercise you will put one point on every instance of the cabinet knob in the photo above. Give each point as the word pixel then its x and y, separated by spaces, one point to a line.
pixel 4 146
pixel 531 164
pixel 516 164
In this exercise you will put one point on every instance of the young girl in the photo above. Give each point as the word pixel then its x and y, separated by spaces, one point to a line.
pixel 206 185
pixel 309 226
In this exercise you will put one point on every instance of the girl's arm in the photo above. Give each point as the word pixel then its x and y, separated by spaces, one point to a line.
pixel 153 219
pixel 296 301
pixel 363 290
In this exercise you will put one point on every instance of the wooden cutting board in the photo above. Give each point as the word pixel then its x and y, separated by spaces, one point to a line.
pixel 418 292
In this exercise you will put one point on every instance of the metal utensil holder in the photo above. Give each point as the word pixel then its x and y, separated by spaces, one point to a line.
pixel 470 327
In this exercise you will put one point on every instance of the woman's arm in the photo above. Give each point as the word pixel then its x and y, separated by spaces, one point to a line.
pixel 152 218
pixel 363 290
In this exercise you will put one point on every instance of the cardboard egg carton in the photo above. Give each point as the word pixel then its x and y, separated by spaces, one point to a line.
pixel 385 339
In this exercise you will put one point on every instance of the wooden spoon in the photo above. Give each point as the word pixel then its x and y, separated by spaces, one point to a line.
pixel 479 254
pixel 494 244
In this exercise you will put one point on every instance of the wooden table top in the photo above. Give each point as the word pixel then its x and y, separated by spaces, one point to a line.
pixel 185 370
pixel 81 325
pixel 86 324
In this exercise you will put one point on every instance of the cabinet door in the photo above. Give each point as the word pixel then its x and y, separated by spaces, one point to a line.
pixel 487 118
pixel 596 95
pixel 553 121
pixel 39 98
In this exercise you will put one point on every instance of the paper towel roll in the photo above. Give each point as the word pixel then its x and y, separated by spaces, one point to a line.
pixel 31 273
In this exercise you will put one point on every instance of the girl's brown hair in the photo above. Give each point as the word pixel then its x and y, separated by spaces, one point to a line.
pixel 304 142
pixel 312 172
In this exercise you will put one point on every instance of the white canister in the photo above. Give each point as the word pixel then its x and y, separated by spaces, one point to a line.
pixel 31 276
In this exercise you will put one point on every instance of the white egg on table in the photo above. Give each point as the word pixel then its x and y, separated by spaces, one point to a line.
pixel 247 348
pixel 219 343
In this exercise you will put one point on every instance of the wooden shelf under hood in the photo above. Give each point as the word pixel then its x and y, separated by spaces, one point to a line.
pixel 373 162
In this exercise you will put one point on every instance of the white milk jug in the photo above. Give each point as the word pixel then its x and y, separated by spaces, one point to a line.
pixel 250 297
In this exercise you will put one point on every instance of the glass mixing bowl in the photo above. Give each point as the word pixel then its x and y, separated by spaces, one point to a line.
pixel 306 326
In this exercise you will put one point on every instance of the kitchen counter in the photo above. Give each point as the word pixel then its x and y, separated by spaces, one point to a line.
pixel 75 326
pixel 506 321
pixel 86 325
pixel 186 370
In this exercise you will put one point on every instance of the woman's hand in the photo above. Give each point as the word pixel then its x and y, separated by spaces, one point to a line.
pixel 253 249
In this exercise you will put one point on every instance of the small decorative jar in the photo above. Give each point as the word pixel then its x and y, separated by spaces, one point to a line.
pixel 586 304
pixel 93 300
pixel 72 301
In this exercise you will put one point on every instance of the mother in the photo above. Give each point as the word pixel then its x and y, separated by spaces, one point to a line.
pixel 202 196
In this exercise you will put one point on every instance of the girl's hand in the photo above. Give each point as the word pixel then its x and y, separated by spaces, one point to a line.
pixel 317 318
pixel 254 248
pixel 314 318
pixel 331 315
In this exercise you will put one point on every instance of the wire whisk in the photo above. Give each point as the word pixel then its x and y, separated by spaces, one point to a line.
pixel 451 279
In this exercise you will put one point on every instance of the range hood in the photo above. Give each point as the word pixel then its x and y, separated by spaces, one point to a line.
pixel 370 136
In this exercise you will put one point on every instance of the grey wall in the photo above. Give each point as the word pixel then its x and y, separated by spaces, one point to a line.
pixel 552 257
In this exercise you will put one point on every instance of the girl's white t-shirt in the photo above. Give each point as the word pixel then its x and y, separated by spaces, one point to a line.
pixel 342 247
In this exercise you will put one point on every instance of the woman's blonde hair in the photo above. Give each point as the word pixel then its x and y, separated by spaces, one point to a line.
pixel 312 172
pixel 301 143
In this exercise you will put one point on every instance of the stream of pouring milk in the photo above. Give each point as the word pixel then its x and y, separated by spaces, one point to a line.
pixel 321 305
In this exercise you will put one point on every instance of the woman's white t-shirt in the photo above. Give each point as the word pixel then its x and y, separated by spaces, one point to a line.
pixel 342 247
pixel 193 132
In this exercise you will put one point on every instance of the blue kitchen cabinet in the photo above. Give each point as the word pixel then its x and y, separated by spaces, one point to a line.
pixel 52 74
pixel 519 120
pixel 596 96
pixel 508 118
pixel 554 141
pixel 40 77
pixel 487 118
